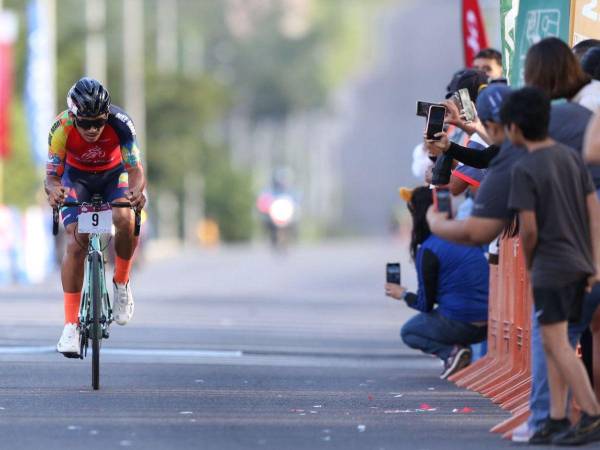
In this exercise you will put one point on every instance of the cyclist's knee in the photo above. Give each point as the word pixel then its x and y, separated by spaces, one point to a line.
pixel 122 219
pixel 76 245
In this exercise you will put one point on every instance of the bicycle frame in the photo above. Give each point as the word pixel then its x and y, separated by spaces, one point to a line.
pixel 86 310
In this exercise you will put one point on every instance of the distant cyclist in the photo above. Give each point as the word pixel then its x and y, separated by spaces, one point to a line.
pixel 93 150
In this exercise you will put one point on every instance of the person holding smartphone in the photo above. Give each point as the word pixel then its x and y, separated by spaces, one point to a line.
pixel 452 276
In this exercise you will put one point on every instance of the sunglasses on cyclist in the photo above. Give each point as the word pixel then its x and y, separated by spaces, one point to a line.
pixel 86 124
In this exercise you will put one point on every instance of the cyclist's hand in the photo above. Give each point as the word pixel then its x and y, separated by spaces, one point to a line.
pixel 137 199
pixel 57 195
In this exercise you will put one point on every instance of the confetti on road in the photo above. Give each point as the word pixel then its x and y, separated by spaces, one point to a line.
pixel 199 381
pixel 431 389
pixel 399 396
pixel 125 443
pixel 465 410
pixel 317 406
pixel 297 410
pixel 326 438
pixel 2 408
pixel 186 413
pixel 73 427
pixel 370 398
pixel 398 411
pixel 314 412
pixel 93 432
pixel 361 428
pixel 426 407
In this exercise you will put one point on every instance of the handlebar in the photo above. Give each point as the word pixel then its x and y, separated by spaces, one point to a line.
pixel 55 214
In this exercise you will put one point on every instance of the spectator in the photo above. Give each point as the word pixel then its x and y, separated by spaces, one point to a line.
pixel 551 66
pixel 582 47
pixel 590 62
pixel 453 276
pixel 591 151
pixel 490 213
pixel 464 177
pixel 489 60
pixel 559 225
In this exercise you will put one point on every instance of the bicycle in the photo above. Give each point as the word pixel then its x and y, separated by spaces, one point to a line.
pixel 95 312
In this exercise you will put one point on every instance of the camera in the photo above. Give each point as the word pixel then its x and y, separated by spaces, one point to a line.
pixel 440 174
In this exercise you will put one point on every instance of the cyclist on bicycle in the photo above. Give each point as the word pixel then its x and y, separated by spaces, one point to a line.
pixel 93 150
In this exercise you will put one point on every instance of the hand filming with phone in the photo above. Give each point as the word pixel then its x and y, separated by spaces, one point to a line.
pixel 393 286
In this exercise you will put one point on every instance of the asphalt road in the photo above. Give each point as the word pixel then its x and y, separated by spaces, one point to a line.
pixel 238 348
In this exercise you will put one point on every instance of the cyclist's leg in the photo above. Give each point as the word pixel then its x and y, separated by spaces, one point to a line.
pixel 125 242
pixel 123 219
pixel 76 245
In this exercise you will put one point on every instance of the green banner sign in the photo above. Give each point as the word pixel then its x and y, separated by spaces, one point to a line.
pixel 526 22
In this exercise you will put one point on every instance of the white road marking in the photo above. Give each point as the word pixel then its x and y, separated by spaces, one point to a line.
pixel 23 350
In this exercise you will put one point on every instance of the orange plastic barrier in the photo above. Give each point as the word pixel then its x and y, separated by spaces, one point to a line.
pixel 504 373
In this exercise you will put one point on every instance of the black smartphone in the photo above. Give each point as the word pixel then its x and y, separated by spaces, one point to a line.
pixel 443 200
pixel 392 273
pixel 423 108
pixel 435 121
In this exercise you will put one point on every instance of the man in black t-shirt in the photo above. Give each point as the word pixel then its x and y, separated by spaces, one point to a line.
pixel 559 228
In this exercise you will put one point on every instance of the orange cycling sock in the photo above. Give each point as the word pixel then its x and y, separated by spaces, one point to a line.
pixel 122 268
pixel 72 307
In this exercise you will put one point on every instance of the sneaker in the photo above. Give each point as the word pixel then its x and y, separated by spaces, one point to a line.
pixel 522 433
pixel 458 359
pixel 550 429
pixel 122 303
pixel 587 430
pixel 68 344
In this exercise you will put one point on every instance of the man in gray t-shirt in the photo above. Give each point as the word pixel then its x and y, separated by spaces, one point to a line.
pixel 559 223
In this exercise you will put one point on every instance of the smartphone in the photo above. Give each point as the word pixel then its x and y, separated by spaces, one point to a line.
pixel 392 273
pixel 423 108
pixel 467 105
pixel 435 121
pixel 443 201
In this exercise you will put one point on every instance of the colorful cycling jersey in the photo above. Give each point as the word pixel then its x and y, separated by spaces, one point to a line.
pixel 116 145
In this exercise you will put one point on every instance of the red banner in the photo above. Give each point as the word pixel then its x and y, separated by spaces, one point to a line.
pixel 5 95
pixel 474 37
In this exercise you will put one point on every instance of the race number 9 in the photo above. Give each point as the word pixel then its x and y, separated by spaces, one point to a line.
pixel 95 219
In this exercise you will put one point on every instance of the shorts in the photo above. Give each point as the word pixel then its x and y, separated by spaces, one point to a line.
pixel 553 305
pixel 110 184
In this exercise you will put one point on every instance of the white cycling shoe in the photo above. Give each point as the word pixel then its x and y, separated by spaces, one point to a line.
pixel 68 344
pixel 122 303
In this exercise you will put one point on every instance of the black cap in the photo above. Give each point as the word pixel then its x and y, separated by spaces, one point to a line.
pixel 470 79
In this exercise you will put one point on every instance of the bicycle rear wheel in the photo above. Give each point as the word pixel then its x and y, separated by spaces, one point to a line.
pixel 96 299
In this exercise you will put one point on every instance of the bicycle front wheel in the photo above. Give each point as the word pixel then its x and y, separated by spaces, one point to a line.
pixel 96 299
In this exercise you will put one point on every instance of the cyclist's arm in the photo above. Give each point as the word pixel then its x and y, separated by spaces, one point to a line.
pixel 55 165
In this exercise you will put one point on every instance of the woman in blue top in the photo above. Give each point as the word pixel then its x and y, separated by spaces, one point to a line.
pixel 453 276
